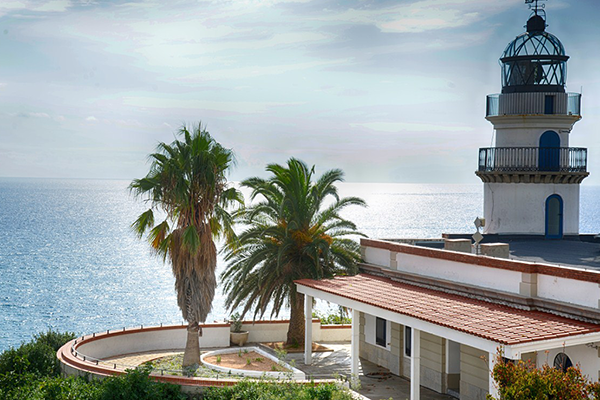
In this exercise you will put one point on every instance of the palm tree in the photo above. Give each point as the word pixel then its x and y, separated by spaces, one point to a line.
pixel 293 231
pixel 187 184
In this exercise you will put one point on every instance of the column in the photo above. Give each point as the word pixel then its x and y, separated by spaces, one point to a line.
pixel 415 364
pixel 492 389
pixel 354 343
pixel 308 302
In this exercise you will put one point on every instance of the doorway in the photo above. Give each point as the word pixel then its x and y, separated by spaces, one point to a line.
pixel 554 217
pixel 453 368
pixel 549 152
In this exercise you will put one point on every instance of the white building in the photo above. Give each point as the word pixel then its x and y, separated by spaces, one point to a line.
pixel 532 165
pixel 438 316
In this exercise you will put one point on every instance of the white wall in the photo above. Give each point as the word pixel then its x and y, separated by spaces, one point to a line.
pixel 521 208
pixel 568 290
pixel 525 131
pixel 520 137
pixel 471 274
pixel 563 289
pixel 151 340
pixel 586 357
pixel 377 256
pixel 335 333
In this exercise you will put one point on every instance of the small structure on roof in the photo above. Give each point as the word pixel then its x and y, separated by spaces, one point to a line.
pixel 531 176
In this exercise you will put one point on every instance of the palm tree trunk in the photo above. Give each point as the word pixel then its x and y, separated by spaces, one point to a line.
pixel 191 355
pixel 295 335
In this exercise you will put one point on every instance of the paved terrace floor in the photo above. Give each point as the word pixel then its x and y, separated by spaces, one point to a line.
pixel 580 252
pixel 376 383
pixel 563 252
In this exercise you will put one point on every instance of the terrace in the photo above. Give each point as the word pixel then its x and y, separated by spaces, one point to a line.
pixel 535 164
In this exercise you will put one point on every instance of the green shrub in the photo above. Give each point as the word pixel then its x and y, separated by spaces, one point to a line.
pixel 37 357
pixel 341 318
pixel 32 371
pixel 54 388
pixel 137 384
pixel 256 390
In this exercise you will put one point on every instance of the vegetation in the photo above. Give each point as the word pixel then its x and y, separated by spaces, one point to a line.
pixel 36 358
pixel 32 372
pixel 187 182
pixel 341 318
pixel 255 390
pixel 520 380
pixel 293 231
pixel 236 323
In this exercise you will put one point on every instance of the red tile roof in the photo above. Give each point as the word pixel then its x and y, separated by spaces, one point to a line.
pixel 499 323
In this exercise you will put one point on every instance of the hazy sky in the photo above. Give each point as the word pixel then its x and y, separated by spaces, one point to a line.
pixel 389 91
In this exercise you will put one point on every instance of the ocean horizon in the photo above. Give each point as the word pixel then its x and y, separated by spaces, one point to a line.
pixel 70 262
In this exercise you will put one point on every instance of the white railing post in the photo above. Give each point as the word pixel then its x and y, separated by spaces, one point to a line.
pixel 354 343
pixel 415 364
pixel 308 302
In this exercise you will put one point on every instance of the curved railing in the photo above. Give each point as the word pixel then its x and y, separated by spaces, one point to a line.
pixel 532 159
pixel 569 105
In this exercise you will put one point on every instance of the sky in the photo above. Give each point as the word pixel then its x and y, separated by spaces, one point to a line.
pixel 388 91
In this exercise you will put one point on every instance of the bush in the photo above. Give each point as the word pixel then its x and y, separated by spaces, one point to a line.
pixel 137 384
pixel 341 318
pixel 519 380
pixel 54 388
pixel 32 372
pixel 256 390
pixel 37 357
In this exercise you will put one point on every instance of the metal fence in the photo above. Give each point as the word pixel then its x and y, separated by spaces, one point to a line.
pixel 533 159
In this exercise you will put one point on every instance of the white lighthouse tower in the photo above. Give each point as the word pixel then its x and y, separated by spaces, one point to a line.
pixel 531 177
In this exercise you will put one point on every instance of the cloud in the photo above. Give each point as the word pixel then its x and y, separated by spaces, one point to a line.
pixel 53 6
pixel 10 6
pixel 423 15
pixel 241 107
pixel 253 71
pixel 91 118
pixel 33 115
pixel 393 127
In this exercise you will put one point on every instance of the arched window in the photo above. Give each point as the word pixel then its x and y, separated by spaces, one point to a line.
pixel 562 362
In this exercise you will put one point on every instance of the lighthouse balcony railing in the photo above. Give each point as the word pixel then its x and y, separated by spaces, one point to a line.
pixel 533 159
pixel 533 103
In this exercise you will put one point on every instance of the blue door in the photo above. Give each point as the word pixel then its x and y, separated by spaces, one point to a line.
pixel 549 152
pixel 554 217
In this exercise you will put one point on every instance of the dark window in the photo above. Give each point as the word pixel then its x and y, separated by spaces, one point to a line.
pixel 562 362
pixel 380 331
pixel 549 105
pixel 407 341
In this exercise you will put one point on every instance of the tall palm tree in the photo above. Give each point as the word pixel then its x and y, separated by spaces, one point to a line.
pixel 187 184
pixel 293 230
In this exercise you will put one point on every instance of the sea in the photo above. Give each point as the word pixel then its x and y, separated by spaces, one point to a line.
pixel 69 260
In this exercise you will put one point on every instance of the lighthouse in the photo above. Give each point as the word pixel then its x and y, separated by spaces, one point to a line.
pixel 531 176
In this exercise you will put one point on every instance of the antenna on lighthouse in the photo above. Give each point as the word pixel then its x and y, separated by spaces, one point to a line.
pixel 536 8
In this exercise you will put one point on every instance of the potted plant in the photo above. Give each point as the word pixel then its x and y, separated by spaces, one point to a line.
pixel 237 336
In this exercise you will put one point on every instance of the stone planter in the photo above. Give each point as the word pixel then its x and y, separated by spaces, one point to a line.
pixel 239 338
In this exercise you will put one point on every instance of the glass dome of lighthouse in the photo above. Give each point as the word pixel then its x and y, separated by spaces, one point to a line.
pixel 534 61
